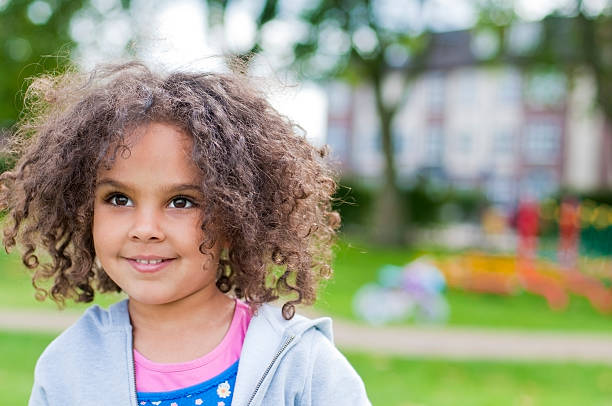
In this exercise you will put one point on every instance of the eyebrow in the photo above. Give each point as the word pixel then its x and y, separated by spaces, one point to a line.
pixel 172 188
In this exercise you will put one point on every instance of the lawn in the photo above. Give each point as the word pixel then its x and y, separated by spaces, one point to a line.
pixel 356 265
pixel 18 355
pixel 425 382
pixel 16 289
pixel 393 381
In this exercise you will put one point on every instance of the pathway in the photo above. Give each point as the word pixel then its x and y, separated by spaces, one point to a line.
pixel 439 342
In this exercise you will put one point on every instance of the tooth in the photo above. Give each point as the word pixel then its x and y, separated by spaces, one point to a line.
pixel 147 262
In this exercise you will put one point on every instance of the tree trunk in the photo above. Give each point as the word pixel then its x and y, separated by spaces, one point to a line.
pixel 389 216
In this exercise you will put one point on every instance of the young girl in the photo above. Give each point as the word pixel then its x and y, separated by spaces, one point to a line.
pixel 189 193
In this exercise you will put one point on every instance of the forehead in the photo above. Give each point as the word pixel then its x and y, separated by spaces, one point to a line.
pixel 156 152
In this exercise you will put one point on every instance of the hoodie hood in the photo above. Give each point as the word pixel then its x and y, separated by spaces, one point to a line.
pixel 269 337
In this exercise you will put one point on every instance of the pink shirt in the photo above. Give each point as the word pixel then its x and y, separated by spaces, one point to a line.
pixel 154 377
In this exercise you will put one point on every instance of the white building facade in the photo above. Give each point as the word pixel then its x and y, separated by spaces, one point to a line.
pixel 514 134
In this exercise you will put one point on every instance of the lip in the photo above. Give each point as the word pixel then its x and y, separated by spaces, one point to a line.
pixel 149 268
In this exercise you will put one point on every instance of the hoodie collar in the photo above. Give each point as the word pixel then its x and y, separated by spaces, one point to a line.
pixel 268 338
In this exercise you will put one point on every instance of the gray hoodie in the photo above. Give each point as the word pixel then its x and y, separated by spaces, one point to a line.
pixel 282 363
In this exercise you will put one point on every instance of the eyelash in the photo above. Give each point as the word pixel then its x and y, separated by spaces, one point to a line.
pixel 109 199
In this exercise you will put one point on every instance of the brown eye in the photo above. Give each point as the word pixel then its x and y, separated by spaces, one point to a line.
pixel 181 203
pixel 120 200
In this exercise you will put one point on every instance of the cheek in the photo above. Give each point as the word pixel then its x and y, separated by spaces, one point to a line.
pixel 185 229
pixel 103 229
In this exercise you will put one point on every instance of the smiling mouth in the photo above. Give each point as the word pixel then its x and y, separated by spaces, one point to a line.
pixel 150 265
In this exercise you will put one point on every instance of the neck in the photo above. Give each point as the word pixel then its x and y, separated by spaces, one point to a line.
pixel 202 319
pixel 204 308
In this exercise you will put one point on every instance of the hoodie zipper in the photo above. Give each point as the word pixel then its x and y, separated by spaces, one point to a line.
pixel 133 376
pixel 270 365
pixel 133 381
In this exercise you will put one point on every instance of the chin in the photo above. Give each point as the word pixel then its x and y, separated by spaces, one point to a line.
pixel 151 298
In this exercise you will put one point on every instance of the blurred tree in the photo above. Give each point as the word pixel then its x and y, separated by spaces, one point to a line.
pixel 378 43
pixel 267 12
pixel 381 44
pixel 571 39
pixel 34 38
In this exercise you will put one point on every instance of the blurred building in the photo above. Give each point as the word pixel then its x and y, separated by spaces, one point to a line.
pixel 511 132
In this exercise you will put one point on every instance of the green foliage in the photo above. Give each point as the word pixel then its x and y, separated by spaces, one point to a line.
pixel 602 196
pixel 348 21
pixel 31 46
pixel 426 203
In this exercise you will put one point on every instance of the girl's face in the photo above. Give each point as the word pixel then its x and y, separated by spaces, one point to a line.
pixel 146 222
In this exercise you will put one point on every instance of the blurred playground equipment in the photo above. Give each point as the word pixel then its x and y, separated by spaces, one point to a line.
pixel 581 264
pixel 414 291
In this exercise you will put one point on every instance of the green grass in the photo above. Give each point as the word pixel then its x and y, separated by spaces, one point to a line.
pixel 403 382
pixel 18 355
pixel 393 381
pixel 356 265
pixel 16 289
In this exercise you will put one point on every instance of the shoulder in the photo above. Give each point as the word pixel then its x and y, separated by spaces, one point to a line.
pixel 87 333
pixel 91 356
pixel 297 326
pixel 316 365
pixel 329 376
pixel 311 340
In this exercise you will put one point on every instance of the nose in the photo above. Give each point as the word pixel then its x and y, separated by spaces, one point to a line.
pixel 146 226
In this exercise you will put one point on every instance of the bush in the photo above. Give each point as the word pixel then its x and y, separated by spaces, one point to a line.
pixel 426 202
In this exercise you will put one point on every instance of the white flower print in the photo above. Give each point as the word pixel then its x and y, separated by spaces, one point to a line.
pixel 173 404
pixel 198 401
pixel 223 390
pixel 220 403
pixel 143 403
pixel 157 403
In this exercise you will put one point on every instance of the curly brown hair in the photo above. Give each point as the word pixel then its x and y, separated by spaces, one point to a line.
pixel 270 187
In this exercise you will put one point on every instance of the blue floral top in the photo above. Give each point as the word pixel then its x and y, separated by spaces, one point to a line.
pixel 216 391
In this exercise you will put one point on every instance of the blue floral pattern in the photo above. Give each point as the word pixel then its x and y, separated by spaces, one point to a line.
pixel 216 391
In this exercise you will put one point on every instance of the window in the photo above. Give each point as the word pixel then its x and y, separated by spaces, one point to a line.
pixel 500 190
pixel 510 84
pixel 503 143
pixel 539 184
pixel 468 87
pixel 542 142
pixel 436 92
pixel 434 146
